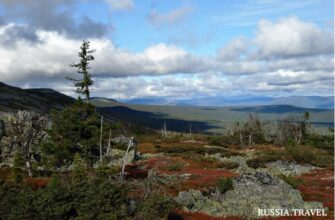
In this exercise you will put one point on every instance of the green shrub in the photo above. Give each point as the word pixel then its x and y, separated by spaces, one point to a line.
pixel 267 156
pixel 293 181
pixel 222 141
pixel 208 159
pixel 301 155
pixel 79 166
pixel 175 166
pixel 64 200
pixel 256 163
pixel 311 155
pixel 225 184
pixel 6 173
pixel 18 167
pixel 196 150
pixel 105 172
pixel 324 142
pixel 229 165
pixel 155 207
pixel 74 129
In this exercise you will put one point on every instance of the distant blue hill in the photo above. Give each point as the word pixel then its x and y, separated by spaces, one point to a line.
pixel 318 102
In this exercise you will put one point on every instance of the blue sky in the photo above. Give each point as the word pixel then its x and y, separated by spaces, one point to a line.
pixel 172 48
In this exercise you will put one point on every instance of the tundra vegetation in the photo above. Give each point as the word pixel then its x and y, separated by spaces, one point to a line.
pixel 65 165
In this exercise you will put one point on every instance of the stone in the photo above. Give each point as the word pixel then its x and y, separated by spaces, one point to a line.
pixel 288 168
pixel 251 191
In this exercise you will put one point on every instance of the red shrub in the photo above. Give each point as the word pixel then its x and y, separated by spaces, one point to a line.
pixel 319 186
pixel 199 216
pixel 37 183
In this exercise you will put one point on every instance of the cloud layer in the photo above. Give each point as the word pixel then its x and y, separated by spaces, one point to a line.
pixel 285 57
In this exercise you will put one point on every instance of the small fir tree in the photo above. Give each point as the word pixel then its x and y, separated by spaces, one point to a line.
pixel 83 85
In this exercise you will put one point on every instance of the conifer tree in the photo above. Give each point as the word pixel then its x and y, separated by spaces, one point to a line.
pixel 83 84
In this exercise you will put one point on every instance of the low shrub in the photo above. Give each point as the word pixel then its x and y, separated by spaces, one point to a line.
pixel 267 156
pixel 229 165
pixel 175 166
pixel 224 184
pixel 324 142
pixel 291 180
pixel 311 155
pixel 6 173
pixel 222 141
pixel 155 207
pixel 196 150
pixel 208 159
pixel 64 200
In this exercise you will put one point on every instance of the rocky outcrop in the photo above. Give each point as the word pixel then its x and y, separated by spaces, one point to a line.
pixel 241 161
pixel 252 191
pixel 288 168
pixel 280 167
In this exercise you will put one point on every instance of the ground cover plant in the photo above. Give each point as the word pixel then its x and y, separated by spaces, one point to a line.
pixel 71 168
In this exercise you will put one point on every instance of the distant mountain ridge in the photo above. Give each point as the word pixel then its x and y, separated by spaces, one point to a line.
pixel 319 102
pixel 178 115
pixel 39 100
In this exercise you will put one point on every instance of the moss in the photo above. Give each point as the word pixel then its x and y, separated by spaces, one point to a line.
pixel 293 181
pixel 225 184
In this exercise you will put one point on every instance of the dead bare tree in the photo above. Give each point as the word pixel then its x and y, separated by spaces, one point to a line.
pixel 101 127
pixel 251 131
pixel 292 129
pixel 164 133
pixel 25 131
pixel 109 142
pixel 130 144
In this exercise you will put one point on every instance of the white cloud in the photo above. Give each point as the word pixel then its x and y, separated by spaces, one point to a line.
pixel 121 4
pixel 51 55
pixel 171 17
pixel 234 49
pixel 171 71
pixel 292 37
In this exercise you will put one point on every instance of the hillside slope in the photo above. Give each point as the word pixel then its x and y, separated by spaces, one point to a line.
pixel 206 119
pixel 39 100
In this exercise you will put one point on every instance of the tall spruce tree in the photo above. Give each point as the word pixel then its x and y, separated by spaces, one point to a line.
pixel 83 84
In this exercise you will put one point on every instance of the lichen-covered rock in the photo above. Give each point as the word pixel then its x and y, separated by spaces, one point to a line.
pixel 241 161
pixel 252 191
pixel 117 156
pixel 280 167
pixel 288 168
pixel 194 201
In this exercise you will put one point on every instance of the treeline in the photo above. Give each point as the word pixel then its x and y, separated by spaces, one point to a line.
pixel 293 130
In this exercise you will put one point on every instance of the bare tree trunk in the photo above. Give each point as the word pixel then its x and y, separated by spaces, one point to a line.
pixel 102 121
pixel 241 139
pixel 164 130
pixel 109 142
pixel 125 159
pixel 28 165
pixel 299 137
pixel 250 139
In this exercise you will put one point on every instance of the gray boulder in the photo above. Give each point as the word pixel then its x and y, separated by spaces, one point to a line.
pixel 252 191
pixel 288 168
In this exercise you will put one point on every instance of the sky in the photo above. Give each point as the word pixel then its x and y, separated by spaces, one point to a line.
pixel 173 49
